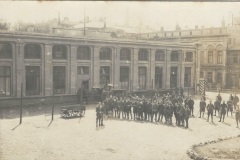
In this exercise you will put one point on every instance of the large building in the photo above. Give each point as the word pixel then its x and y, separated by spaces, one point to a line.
pixel 49 63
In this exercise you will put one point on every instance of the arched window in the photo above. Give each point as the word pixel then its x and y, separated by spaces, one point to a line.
pixel 125 54
pixel 210 54
pixel 105 53
pixel 59 52
pixel 5 50
pixel 219 54
pixel 143 55
pixel 189 57
pixel 32 51
pixel 159 55
pixel 174 56
pixel 83 53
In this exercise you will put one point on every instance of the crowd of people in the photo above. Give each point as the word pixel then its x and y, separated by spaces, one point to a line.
pixel 162 109
pixel 154 109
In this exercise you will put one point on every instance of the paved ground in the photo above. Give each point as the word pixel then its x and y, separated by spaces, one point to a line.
pixel 75 139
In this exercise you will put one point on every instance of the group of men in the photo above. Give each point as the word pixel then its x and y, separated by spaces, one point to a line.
pixel 219 106
pixel 152 109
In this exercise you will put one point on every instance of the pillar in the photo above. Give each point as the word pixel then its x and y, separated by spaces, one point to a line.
pixel 182 68
pixel 168 68
pixel 152 69
pixel 135 69
pixel 73 69
pixel 48 68
pixel 20 67
pixel 116 70
pixel 96 67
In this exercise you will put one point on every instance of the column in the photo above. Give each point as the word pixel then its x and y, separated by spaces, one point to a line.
pixel 73 69
pixel 168 68
pixel 48 68
pixel 96 67
pixel 182 68
pixel 20 68
pixel 152 69
pixel 116 70
pixel 135 69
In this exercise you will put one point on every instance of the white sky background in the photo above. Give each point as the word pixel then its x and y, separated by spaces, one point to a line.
pixel 153 14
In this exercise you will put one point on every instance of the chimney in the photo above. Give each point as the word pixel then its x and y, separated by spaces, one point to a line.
pixel 196 26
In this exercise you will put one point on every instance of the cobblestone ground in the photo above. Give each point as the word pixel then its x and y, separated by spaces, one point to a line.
pixel 75 139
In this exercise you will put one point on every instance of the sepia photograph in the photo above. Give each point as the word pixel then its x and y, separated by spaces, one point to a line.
pixel 119 80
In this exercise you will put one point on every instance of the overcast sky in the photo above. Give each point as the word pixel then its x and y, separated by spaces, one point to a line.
pixel 153 14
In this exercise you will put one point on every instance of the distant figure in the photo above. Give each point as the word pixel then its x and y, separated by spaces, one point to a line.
pixel 223 109
pixel 210 108
pixel 99 115
pixel 237 115
pixel 235 101
pixel 181 91
pixel 202 108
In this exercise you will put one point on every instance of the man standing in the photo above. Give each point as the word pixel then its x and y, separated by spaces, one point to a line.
pixel 235 101
pixel 219 98
pixel 210 108
pixel 187 113
pixel 216 106
pixel 191 105
pixel 202 108
pixel 99 115
pixel 223 109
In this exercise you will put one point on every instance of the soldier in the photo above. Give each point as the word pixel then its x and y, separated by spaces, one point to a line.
pixel 140 110
pixel 166 111
pixel 135 107
pixel 99 115
pixel 216 106
pixel 160 111
pixel 219 98
pixel 237 116
pixel 181 115
pixel 187 113
pixel 155 110
pixel 170 112
pixel 235 101
pixel 180 99
pixel 181 91
pixel 191 105
pixel 128 108
pixel 115 107
pixel 223 108
pixel 210 108
pixel 231 97
pixel 121 107
pixel 229 107
pixel 145 108
pixel 202 108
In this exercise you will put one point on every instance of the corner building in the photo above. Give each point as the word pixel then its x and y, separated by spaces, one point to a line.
pixel 48 63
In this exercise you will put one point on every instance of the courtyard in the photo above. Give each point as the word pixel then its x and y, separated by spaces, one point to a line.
pixel 78 138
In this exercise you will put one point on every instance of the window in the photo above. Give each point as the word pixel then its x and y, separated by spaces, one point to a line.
pixel 32 80
pixel 59 52
pixel 32 51
pixel 5 81
pixel 173 77
pixel 158 77
pixel 219 78
pixel 209 78
pixel 104 75
pixel 187 77
pixel 83 70
pixel 142 77
pixel 189 57
pixel 83 53
pixel 124 77
pixel 143 55
pixel 5 51
pixel 201 75
pixel 159 55
pixel 210 56
pixel 105 54
pixel 59 79
pixel 219 57
pixel 235 58
pixel 174 56
pixel 125 54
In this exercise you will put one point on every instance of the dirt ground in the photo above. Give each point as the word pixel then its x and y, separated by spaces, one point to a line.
pixel 228 149
pixel 38 138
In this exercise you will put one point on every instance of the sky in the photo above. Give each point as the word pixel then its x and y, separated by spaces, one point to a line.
pixel 153 14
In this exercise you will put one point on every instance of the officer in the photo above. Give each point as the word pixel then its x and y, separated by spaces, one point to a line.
pixel 191 105
pixel 187 113
pixel 216 106
pixel 229 107
pixel 202 108
pixel 223 108
pixel 99 115
pixel 210 108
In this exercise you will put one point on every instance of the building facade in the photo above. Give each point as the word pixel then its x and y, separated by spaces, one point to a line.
pixel 47 64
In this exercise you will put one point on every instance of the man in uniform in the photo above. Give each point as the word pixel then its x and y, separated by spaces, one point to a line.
pixel 216 106
pixel 191 105
pixel 235 101
pixel 187 113
pixel 128 108
pixel 223 108
pixel 202 108
pixel 229 107
pixel 99 115
pixel 210 108
pixel 155 110
pixel 219 98
pixel 237 116
pixel 160 111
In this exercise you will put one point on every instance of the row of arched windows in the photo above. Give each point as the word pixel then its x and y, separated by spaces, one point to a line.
pixel 33 51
